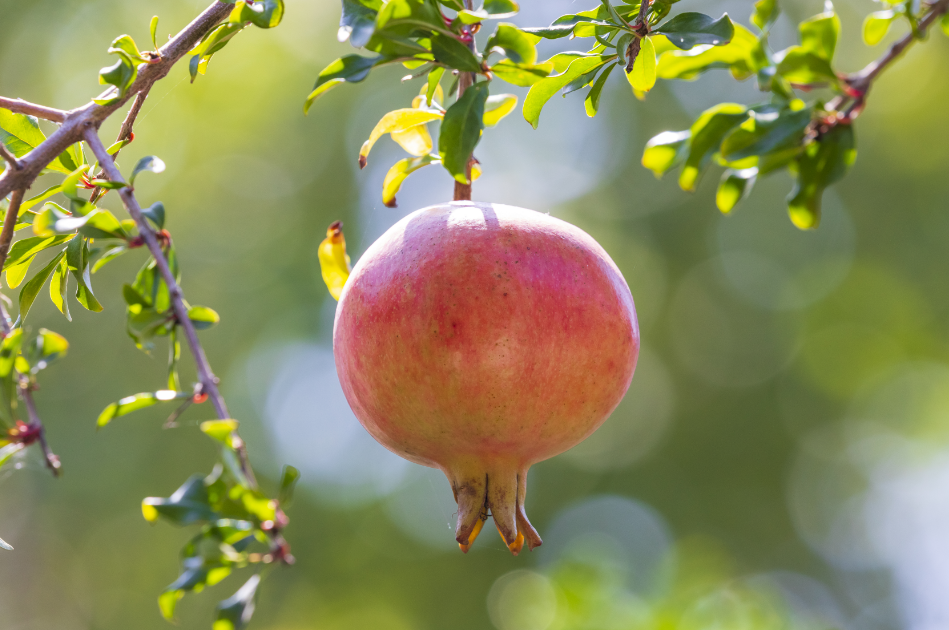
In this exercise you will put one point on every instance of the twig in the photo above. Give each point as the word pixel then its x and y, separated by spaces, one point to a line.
pixel 6 239
pixel 20 106
pixel 9 157
pixel 205 375
pixel 125 133
pixel 75 122
pixel 860 82
pixel 9 221
pixel 465 80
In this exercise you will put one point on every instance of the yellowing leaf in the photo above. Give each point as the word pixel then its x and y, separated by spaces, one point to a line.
pixel 438 97
pixel 497 107
pixel 394 122
pixel 643 76
pixel 149 511
pixel 334 262
pixel 401 170
pixel 415 140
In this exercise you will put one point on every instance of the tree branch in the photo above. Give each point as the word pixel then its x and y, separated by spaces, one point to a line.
pixel 205 376
pixel 125 133
pixel 24 388
pixel 861 82
pixel 76 121
pixel 20 106
pixel 9 157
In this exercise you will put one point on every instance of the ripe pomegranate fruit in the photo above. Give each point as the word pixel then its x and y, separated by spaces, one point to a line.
pixel 480 339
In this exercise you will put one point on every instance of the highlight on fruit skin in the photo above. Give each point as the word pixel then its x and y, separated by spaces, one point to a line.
pixel 334 261
pixel 480 339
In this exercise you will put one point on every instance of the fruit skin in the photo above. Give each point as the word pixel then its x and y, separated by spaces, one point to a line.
pixel 481 339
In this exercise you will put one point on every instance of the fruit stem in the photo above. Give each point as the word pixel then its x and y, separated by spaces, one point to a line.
pixel 466 80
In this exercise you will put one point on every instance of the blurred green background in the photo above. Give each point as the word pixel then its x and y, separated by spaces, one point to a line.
pixel 781 460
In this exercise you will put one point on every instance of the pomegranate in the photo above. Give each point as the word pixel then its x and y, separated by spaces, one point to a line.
pixel 480 339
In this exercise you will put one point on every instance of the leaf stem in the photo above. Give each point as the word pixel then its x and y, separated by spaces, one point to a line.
pixel 206 376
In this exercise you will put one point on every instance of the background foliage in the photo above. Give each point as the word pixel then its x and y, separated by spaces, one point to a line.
pixel 785 432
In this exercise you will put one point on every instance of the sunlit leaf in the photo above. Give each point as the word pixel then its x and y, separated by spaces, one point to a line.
pixel 819 34
pixel 203 317
pixel 688 30
pixel 523 76
pixel 765 14
pixel 397 121
pixel 707 134
pixel 518 46
pixel 334 261
pixel 461 131
pixel 139 401
pixel 153 31
pixel 497 107
pixel 735 186
pixel 398 173
pixel 235 612
pixel 643 75
pixel 743 55
pixel 32 288
pixel 592 102
pixel 351 68
pixel 543 90
pixel 823 162
pixel 666 151
pixel 150 163
pixel 876 26
pixel 357 22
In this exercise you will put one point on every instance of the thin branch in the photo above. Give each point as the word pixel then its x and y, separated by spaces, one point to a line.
pixel 861 82
pixel 9 157
pixel 20 106
pixel 205 375
pixel 125 133
pixel 23 386
pixel 75 122
pixel 9 221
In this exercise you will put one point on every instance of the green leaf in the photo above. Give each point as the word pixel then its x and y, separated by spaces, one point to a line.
pixel 765 14
pixel 562 26
pixel 743 55
pixel 399 172
pixel 543 90
pixel 262 13
pixel 351 68
pixel 497 107
pixel 452 53
pixel 102 224
pixel 153 31
pixel 735 186
pixel 396 122
pixel 139 401
pixel 126 44
pixel 220 430
pixel 156 214
pixel 800 66
pixel 688 30
pixel 46 194
pixel 944 23
pixel 9 349
pixel 876 26
pixel 21 134
pixel 823 162
pixel 234 613
pixel 643 75
pixel 819 34
pixel 404 18
pixel 121 75
pixel 764 132
pixel 461 130
pixel 492 10
pixel 666 151
pixel 29 247
pixel 149 163
pixel 57 289
pixel 358 22
pixel 32 288
pixel 592 102
pixel 288 481
pixel 515 44
pixel 522 76
pixel 707 134
pixel 77 257
pixel 189 504
pixel 203 317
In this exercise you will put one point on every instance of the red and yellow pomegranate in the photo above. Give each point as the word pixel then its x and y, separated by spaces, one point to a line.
pixel 480 339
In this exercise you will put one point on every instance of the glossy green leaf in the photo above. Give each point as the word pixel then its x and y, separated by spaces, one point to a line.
pixel 823 162
pixel 523 76
pixel 150 163
pixel 121 75
pixel 188 504
pixel 358 22
pixel 58 287
pixel 643 75
pixel 9 349
pixel 707 134
pixel 77 257
pixel 235 612
pixel 20 134
pixel 666 151
pixel 156 214
pixel 592 102
pixel 402 18
pixel 561 27
pixel 262 13
pixel 688 30
pixel 220 430
pixel 764 132
pixel 399 172
pixel 452 53
pixel 490 10
pixel 203 317
pixel 497 107
pixel 153 31
pixel 876 26
pixel 29 247
pixel 765 14
pixel 516 45
pixel 461 130
pixel 543 90
pixel 32 288
pixel 819 34
pixel 139 401
pixel 743 56
pixel 46 194
pixel 803 67
pixel 734 186
pixel 351 68
pixel 126 44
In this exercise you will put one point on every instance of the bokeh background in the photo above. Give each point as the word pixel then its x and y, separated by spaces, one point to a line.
pixel 781 460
